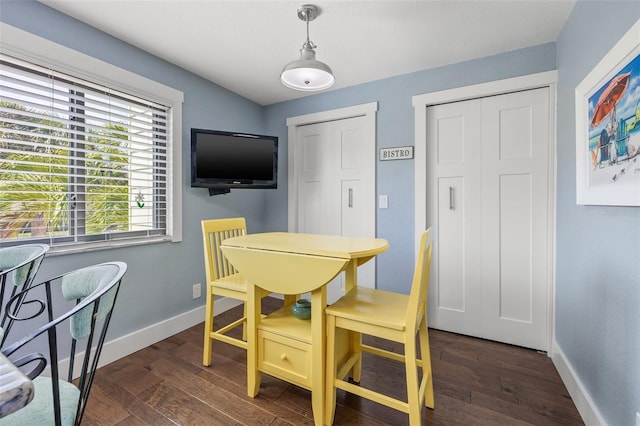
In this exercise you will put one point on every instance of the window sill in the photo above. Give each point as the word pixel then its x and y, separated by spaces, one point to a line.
pixel 73 248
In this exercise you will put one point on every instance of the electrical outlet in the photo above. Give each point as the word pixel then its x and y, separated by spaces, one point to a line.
pixel 197 291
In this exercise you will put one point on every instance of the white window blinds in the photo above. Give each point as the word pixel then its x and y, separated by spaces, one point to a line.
pixel 78 161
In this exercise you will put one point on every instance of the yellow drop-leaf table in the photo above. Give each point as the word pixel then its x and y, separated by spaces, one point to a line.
pixel 291 263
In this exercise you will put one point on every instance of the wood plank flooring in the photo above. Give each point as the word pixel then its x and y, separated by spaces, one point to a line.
pixel 476 382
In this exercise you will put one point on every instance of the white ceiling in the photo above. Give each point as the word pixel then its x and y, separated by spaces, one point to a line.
pixel 242 45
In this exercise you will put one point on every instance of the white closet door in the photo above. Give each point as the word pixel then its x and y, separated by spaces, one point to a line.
pixel 488 183
pixel 453 182
pixel 336 184
pixel 515 185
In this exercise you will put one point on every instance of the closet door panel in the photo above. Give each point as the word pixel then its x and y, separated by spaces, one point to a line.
pixel 451 269
pixel 453 179
pixel 514 286
pixel 515 185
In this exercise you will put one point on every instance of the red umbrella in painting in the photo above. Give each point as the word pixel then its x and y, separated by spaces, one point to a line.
pixel 609 97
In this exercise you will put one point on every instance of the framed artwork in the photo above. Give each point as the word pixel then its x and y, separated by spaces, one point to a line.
pixel 608 127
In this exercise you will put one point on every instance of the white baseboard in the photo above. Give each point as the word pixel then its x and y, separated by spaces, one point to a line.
pixel 119 348
pixel 581 398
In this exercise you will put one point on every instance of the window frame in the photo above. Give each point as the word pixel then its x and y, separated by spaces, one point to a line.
pixel 31 48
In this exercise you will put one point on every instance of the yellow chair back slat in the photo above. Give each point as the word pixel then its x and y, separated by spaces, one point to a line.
pixel 214 232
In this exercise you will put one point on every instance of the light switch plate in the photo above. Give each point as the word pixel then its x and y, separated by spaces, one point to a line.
pixel 383 202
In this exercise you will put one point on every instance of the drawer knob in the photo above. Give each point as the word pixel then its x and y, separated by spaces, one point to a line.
pixel 283 357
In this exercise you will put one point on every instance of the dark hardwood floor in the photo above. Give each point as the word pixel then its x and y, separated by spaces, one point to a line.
pixel 477 382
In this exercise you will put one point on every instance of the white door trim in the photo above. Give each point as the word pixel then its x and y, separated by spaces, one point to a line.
pixel 368 110
pixel 420 104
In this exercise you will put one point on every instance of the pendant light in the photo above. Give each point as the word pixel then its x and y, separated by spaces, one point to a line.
pixel 307 73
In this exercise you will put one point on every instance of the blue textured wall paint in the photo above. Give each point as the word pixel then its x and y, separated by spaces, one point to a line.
pixel 598 247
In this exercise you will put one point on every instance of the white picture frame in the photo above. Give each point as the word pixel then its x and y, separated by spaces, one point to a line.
pixel 608 127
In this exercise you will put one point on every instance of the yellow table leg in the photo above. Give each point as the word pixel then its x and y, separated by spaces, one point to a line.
pixel 290 299
pixel 318 351
pixel 350 276
pixel 331 368
pixel 253 317
pixel 355 339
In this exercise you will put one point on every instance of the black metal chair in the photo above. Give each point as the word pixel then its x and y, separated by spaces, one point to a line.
pixel 86 296
pixel 18 268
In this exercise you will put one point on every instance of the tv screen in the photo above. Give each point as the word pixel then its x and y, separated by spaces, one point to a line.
pixel 225 160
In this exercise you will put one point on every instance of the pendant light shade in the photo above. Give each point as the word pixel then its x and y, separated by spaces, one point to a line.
pixel 307 73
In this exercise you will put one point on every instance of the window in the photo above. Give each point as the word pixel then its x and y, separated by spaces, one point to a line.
pixel 82 162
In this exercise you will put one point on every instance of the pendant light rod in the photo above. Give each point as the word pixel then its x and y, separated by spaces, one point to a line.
pixel 308 13
pixel 308 43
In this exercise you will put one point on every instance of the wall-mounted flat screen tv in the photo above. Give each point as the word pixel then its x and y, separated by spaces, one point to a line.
pixel 224 160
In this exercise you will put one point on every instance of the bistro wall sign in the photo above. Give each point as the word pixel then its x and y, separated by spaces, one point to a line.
pixel 397 153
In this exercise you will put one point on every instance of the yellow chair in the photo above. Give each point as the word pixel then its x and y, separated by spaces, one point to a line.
pixel 223 280
pixel 392 316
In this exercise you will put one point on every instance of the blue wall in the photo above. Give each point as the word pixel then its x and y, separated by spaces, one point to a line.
pixel 598 248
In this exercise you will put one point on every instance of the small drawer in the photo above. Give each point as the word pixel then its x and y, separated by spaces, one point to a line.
pixel 285 358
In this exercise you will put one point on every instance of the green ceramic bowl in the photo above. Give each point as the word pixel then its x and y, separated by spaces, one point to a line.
pixel 302 309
